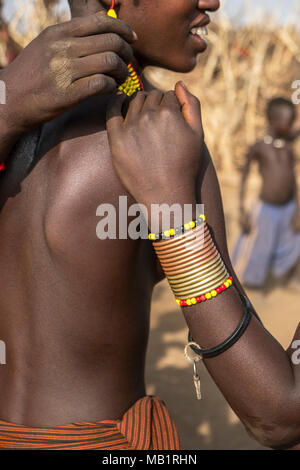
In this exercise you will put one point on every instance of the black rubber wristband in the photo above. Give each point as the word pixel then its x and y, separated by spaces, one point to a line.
pixel 213 352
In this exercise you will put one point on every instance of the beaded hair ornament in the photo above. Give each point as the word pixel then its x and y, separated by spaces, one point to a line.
pixel 133 82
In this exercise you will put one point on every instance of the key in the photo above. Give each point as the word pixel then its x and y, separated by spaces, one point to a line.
pixel 197 383
pixel 191 356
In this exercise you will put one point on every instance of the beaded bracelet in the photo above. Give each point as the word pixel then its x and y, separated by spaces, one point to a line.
pixel 178 230
pixel 193 266
pixel 207 296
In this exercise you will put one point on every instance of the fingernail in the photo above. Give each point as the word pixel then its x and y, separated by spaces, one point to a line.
pixel 135 36
pixel 184 85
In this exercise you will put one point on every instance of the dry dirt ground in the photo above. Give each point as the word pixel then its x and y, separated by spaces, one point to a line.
pixel 209 423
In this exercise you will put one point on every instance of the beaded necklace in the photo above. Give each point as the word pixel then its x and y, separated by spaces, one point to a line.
pixel 277 143
pixel 133 83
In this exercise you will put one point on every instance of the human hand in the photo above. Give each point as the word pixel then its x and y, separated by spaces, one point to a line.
pixel 65 64
pixel 156 148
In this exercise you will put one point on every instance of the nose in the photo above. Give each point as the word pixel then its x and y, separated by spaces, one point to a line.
pixel 209 5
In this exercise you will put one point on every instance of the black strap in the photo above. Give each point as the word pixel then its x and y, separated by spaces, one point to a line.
pixel 213 352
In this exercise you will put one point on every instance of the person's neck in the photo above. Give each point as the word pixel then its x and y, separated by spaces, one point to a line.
pixel 274 134
pixel 140 71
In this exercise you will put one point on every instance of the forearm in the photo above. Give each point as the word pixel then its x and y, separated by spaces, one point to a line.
pixel 255 375
pixel 10 129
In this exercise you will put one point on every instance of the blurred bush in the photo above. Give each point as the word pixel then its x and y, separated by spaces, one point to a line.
pixel 242 69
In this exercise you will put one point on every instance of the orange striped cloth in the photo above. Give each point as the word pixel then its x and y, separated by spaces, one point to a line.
pixel 147 425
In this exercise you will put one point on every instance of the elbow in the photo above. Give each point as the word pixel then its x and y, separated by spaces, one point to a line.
pixel 274 434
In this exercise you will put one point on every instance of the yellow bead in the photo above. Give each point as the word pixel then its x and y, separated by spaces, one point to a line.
pixel 112 13
pixel 192 224
pixel 172 231
pixel 208 295
pixel 214 293
pixel 178 301
pixel 187 226
pixel 226 283
pixel 189 301
pixel 193 300
pixel 202 216
pixel 167 233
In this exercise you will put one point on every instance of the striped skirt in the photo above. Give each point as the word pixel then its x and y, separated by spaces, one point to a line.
pixel 147 425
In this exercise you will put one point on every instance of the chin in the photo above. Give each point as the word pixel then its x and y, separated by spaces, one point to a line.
pixel 179 66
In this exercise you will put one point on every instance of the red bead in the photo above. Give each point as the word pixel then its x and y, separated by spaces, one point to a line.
pixel 223 287
pixel 184 303
pixel 198 299
pixel 230 278
pixel 2 166
pixel 203 298
pixel 219 290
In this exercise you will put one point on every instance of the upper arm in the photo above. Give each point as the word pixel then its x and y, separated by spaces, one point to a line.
pixel 209 193
pixel 250 157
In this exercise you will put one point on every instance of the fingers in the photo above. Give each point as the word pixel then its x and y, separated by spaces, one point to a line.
pixel 190 107
pixel 143 102
pixel 136 105
pixel 107 63
pixel 170 100
pixel 91 86
pixel 114 117
pixel 85 7
pixel 99 24
pixel 153 100
pixel 82 47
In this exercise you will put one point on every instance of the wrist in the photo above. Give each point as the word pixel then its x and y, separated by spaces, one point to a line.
pixel 11 118
pixel 171 209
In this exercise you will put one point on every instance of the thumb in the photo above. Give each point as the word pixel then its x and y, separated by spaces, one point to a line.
pixel 80 8
pixel 190 107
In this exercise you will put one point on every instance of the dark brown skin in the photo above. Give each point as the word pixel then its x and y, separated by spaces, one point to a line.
pixel 256 375
pixel 74 309
pixel 276 167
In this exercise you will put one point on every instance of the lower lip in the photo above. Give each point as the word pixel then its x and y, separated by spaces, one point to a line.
pixel 199 40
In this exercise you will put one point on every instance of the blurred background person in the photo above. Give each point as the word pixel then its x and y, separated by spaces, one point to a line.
pixel 270 239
